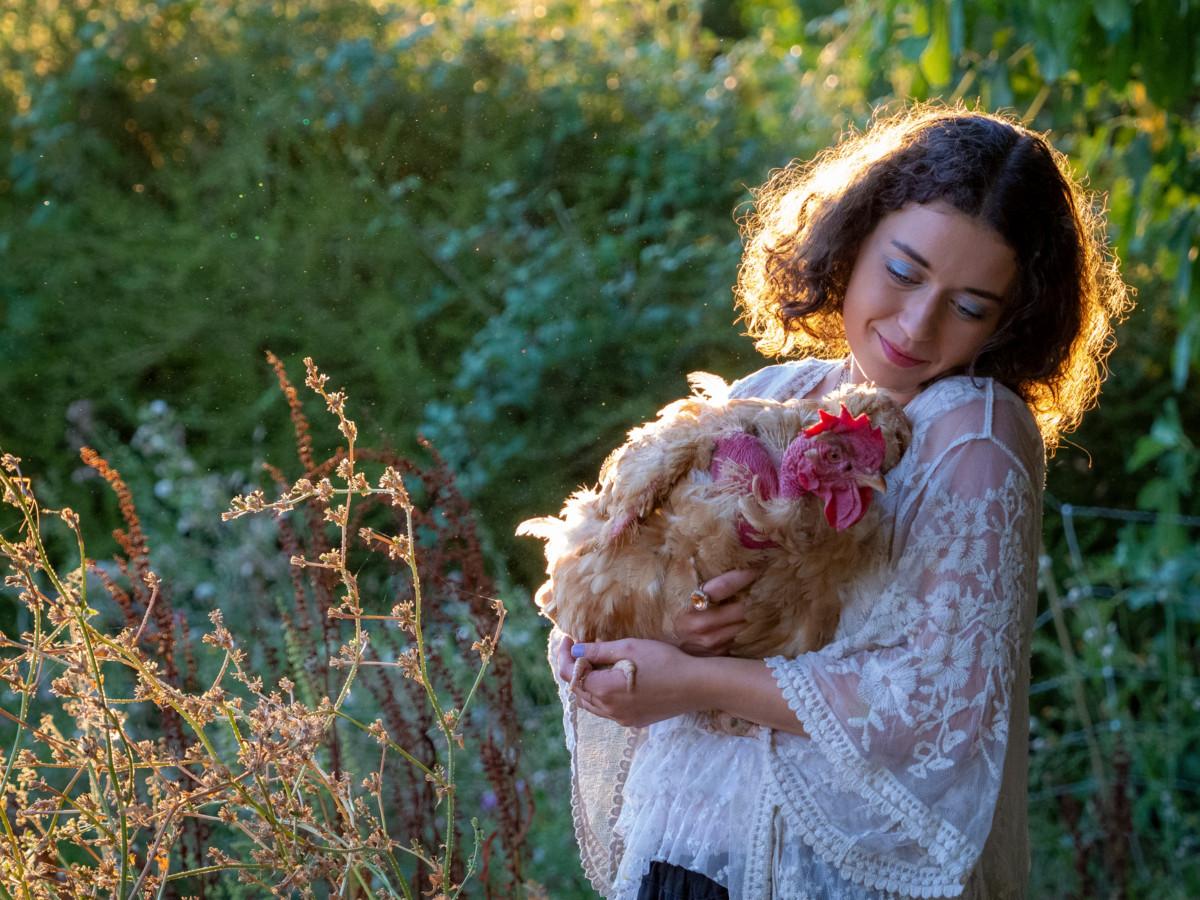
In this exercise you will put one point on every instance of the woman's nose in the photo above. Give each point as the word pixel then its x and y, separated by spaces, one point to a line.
pixel 918 318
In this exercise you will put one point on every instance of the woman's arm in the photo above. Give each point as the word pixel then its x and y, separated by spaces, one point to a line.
pixel 669 682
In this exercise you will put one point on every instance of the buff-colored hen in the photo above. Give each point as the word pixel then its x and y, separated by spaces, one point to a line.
pixel 715 484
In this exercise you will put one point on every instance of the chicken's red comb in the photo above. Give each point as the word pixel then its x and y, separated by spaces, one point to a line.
pixel 844 423
pixel 840 424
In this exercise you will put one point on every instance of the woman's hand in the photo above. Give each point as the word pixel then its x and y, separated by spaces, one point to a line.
pixel 663 684
pixel 710 632
pixel 665 678
pixel 668 682
pixel 700 632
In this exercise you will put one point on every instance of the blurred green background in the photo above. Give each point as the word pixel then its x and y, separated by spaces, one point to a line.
pixel 509 226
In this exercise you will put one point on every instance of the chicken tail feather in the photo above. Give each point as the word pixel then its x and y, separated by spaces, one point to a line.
pixel 708 385
pixel 544 527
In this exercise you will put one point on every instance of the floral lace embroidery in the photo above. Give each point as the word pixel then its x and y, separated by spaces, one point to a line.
pixel 938 699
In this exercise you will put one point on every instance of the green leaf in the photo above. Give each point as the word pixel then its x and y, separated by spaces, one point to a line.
pixel 1183 249
pixel 1145 450
pixel 958 28
pixel 1158 494
pixel 920 21
pixel 937 63
pixel 1167 428
pixel 999 93
pixel 1113 15
pixel 1181 356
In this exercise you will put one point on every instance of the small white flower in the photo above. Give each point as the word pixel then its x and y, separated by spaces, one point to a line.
pixel 993 650
pixel 944 603
pixel 948 663
pixel 887 686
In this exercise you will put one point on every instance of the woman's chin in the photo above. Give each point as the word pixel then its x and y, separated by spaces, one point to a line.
pixel 901 384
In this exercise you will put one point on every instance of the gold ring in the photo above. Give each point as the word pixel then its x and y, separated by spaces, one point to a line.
pixel 700 599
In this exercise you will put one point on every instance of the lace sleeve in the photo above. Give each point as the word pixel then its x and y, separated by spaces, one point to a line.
pixel 909 709
pixel 601 753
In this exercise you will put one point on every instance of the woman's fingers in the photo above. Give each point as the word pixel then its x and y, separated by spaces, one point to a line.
pixel 725 585
pixel 723 637
pixel 597 709
pixel 731 613
pixel 709 632
pixel 661 683
pixel 714 642
pixel 598 684
pixel 706 632
pixel 602 653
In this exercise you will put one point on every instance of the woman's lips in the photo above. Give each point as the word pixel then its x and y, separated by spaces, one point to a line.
pixel 896 357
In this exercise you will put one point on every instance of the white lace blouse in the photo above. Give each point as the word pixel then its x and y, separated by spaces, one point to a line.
pixel 912 779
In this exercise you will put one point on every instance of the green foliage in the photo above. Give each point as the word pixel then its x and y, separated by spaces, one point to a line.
pixel 1114 711
pixel 510 227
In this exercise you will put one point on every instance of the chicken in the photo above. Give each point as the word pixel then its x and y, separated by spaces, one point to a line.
pixel 715 484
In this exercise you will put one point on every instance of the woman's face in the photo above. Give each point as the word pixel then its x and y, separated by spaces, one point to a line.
pixel 927 291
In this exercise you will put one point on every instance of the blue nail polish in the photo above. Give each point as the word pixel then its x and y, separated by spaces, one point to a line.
pixel 578 650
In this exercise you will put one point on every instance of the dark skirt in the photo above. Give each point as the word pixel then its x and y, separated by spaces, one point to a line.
pixel 667 882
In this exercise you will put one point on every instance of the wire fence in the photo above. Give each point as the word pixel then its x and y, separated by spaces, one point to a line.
pixel 1115 705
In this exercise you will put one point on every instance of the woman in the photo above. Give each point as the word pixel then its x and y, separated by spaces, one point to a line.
pixel 959 263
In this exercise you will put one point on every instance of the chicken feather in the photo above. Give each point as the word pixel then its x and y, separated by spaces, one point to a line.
pixel 703 489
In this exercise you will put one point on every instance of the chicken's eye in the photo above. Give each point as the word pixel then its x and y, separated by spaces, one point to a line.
pixel 834 454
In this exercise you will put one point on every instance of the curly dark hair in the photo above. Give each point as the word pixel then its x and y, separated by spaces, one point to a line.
pixel 809 221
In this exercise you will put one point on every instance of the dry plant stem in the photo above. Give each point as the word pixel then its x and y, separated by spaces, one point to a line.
pixel 447 732
pixel 152 853
pixel 208 870
pixel 30 512
pixel 146 618
pixel 388 742
pixel 33 671
pixel 300 820
pixel 86 631
pixel 91 639
pixel 113 651
pixel 263 810
pixel 336 405
pixel 64 796
pixel 355 485
pixel 400 879
pixel 447 723
pixel 358 877
pixel 501 614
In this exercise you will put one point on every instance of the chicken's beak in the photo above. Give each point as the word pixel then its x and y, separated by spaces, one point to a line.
pixel 872 480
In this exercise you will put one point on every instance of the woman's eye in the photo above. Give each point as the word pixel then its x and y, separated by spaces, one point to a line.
pixel 901 272
pixel 968 310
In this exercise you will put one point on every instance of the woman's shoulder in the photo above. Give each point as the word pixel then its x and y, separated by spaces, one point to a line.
pixel 983 400
pixel 964 410
pixel 781 381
